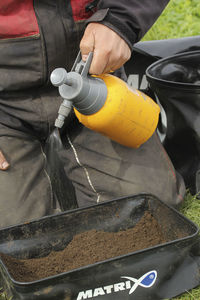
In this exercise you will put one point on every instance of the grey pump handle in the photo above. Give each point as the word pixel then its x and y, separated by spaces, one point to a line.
pixel 86 93
pixel 82 67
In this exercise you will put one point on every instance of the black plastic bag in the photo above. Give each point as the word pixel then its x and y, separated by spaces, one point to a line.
pixel 175 80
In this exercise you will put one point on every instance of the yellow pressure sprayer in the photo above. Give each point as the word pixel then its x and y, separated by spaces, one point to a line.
pixel 105 104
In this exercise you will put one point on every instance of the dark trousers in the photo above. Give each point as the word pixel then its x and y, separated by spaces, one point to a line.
pixel 99 168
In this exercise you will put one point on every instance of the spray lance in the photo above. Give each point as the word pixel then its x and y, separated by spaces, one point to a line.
pixel 105 104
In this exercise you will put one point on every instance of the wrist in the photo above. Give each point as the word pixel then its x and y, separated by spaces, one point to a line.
pixel 105 17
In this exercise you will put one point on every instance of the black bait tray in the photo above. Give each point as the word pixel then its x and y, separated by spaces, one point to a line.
pixel 158 272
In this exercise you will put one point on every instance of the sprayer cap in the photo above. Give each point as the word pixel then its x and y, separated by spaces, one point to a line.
pixel 58 77
pixel 87 93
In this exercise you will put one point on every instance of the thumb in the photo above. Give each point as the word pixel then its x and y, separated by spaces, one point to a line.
pixel 87 43
pixel 4 165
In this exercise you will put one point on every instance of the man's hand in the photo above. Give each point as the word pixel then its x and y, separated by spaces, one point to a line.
pixel 110 50
pixel 4 165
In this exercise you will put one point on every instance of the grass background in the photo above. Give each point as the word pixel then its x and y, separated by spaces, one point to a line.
pixel 181 18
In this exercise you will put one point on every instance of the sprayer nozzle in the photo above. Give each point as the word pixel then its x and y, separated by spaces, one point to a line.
pixel 59 123
pixel 63 113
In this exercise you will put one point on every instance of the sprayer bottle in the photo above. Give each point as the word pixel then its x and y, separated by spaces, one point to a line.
pixel 105 104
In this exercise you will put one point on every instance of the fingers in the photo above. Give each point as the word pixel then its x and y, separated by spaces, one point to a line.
pixel 118 57
pixel 110 50
pixel 4 165
pixel 87 43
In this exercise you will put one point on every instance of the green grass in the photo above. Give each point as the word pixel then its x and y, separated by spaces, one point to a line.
pixel 191 209
pixel 4 297
pixel 181 18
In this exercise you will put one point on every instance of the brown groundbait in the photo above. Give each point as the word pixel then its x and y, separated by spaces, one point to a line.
pixel 87 248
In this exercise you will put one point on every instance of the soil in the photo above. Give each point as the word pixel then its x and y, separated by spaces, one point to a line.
pixel 87 248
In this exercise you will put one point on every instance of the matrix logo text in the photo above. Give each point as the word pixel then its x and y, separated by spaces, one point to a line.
pixel 131 284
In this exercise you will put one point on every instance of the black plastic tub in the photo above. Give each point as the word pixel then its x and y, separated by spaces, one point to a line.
pixel 158 272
